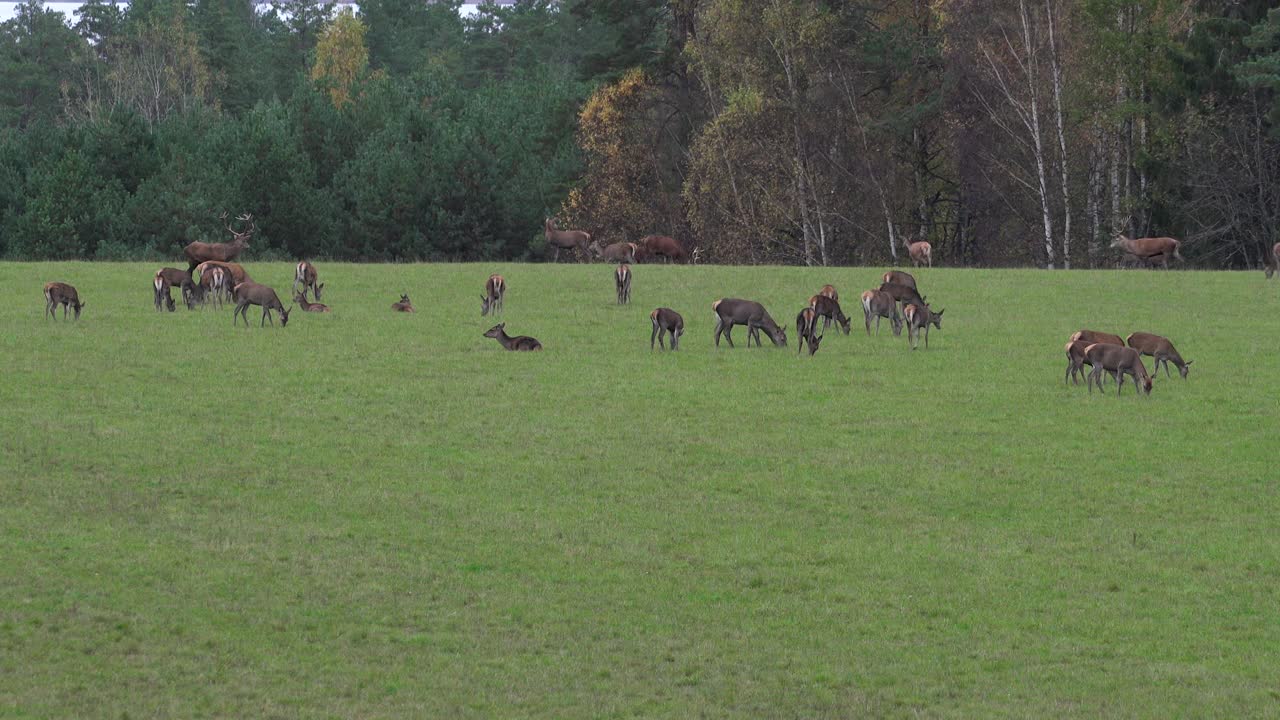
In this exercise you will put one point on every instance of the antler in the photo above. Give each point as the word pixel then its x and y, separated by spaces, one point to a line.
pixel 247 217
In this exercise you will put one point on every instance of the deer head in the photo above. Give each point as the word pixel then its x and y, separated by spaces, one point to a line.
pixel 496 331
pixel 284 316
pixel 484 305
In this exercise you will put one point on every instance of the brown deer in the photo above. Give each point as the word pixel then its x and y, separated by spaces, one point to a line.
pixel 1093 336
pixel 1274 261
pixel 160 294
pixel 1119 361
pixel 622 281
pixel 230 276
pixel 881 305
pixel 404 305
pixel 251 293
pixel 921 316
pixel 806 329
pixel 731 311
pixel 565 239
pixel 166 278
pixel 524 342
pixel 1162 350
pixel 829 310
pixel 192 294
pixel 301 299
pixel 902 294
pixel 198 252
pixel 666 320
pixel 1076 360
pixel 57 293
pixel 921 252
pixel 668 247
pixel 1150 249
pixel 618 252
pixel 306 274
pixel 900 278
pixel 238 274
pixel 495 290
pixel 829 291
pixel 209 286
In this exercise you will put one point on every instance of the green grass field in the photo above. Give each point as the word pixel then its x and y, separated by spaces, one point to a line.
pixel 368 514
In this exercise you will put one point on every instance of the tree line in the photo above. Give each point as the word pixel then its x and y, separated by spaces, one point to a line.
pixel 1003 132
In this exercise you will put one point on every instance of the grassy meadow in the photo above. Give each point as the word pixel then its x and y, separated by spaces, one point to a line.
pixel 369 514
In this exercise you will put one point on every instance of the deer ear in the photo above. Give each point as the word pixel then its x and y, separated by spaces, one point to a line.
pixel 1188 362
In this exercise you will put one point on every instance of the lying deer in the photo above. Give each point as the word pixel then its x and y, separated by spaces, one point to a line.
pixel 881 305
pixel 806 329
pixel 900 278
pixel 251 293
pixel 731 311
pixel 1119 361
pixel 666 320
pixel 1092 336
pixel 1150 249
pixel 404 305
pixel 495 289
pixel 524 342
pixel 921 316
pixel 1162 350
pixel 301 299
pixel 622 280
pixel 306 274
pixel 57 293
pixel 829 310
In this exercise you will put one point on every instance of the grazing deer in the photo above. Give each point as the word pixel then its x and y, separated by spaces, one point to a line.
pixel 565 239
pixel 198 252
pixel 1162 350
pixel 192 294
pixel 881 305
pixel 301 299
pixel 166 278
pixel 902 294
pixel 829 291
pixel 731 311
pixel 221 278
pixel 161 296
pixel 806 329
pixel 1093 336
pixel 618 252
pixel 829 310
pixel 900 278
pixel 1150 249
pixel 1119 361
pixel 404 305
pixel 1076 360
pixel 666 320
pixel 622 279
pixel 524 342
pixel 668 247
pixel 495 290
pixel 921 252
pixel 237 272
pixel 251 293
pixel 921 316
pixel 57 293
pixel 306 274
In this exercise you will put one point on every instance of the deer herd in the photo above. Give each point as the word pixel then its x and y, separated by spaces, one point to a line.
pixel 213 278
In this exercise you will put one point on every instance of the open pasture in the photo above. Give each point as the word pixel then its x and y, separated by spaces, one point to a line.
pixel 378 514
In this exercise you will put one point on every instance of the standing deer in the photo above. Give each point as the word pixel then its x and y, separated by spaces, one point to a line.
pixel 1119 361
pixel 731 311
pixel 1274 261
pixel 622 281
pixel 1093 336
pixel 1076 360
pixel 666 320
pixel 192 294
pixel 404 305
pixel 900 278
pixel 829 310
pixel 618 252
pixel 668 247
pixel 251 293
pixel 160 294
pixel 565 239
pixel 301 299
pixel 921 316
pixel 57 293
pixel 198 252
pixel 166 278
pixel 1150 249
pixel 806 329
pixel 902 294
pixel 524 342
pixel 829 291
pixel 495 290
pixel 306 274
pixel 881 305
pixel 921 252
pixel 1162 350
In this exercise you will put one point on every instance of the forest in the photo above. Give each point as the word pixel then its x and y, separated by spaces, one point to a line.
pixel 813 132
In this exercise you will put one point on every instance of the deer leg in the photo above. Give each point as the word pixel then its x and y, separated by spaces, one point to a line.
pixel 728 335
